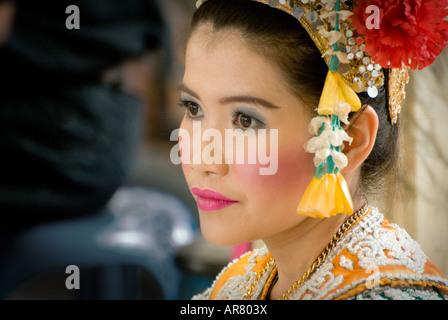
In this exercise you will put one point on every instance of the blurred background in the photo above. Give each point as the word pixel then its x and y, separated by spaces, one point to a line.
pixel 136 235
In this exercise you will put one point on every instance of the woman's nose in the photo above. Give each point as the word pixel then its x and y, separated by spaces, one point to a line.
pixel 208 153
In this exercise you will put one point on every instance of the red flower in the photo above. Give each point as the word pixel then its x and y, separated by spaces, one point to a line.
pixel 412 32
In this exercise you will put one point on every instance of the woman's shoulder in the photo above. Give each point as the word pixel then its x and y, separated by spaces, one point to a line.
pixel 233 282
pixel 376 258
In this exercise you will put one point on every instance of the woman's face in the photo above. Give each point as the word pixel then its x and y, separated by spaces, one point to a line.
pixel 227 86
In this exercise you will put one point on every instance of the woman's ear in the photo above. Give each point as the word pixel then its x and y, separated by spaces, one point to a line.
pixel 363 130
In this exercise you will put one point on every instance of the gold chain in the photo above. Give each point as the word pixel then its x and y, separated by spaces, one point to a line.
pixel 320 259
pixel 252 286
pixel 334 241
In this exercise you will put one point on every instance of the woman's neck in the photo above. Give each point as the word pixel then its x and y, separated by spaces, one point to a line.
pixel 295 250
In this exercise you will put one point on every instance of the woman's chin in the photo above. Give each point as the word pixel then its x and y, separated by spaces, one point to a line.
pixel 222 238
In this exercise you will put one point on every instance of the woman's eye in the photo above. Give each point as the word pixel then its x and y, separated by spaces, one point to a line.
pixel 193 110
pixel 245 121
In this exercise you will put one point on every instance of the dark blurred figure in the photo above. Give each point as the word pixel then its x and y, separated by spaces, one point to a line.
pixel 70 124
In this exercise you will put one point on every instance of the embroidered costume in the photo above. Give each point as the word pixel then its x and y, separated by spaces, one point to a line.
pixel 374 259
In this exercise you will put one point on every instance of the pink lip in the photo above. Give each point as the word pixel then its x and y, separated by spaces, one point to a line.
pixel 209 200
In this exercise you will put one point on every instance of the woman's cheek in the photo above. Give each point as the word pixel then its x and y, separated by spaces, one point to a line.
pixel 186 169
pixel 295 170
pixel 185 150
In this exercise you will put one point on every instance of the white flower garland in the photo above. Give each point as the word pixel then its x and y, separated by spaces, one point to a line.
pixel 327 138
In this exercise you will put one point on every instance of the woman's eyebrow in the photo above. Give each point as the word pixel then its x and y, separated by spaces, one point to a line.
pixel 248 99
pixel 233 99
pixel 184 88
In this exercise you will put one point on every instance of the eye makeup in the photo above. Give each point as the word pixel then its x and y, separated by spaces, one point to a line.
pixel 242 111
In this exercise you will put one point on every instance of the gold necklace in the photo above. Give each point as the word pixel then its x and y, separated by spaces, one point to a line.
pixel 320 259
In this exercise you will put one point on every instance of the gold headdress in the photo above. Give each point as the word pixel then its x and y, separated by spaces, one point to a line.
pixel 356 67
pixel 340 30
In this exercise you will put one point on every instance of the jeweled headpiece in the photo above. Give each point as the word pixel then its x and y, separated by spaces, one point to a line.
pixel 364 43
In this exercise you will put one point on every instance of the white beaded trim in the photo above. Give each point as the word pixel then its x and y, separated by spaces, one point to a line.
pixel 367 239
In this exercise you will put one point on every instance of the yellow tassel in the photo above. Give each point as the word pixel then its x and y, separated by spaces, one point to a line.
pixel 326 197
pixel 335 91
